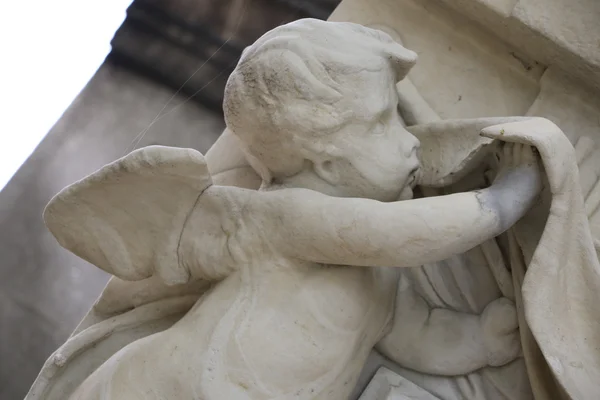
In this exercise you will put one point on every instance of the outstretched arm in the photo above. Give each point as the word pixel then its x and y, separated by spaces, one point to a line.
pixel 362 232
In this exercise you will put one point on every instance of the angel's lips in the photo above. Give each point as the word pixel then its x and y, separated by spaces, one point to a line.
pixel 414 177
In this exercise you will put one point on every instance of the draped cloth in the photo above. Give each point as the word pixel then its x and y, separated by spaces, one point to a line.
pixel 553 269
pixel 559 274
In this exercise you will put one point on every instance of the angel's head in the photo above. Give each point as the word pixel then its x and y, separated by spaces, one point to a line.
pixel 314 105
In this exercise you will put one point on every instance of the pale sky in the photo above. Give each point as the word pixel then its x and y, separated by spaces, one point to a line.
pixel 49 50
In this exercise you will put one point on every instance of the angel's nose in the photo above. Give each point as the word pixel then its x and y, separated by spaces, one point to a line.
pixel 413 147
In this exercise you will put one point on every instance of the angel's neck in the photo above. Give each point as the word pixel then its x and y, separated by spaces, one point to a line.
pixel 306 180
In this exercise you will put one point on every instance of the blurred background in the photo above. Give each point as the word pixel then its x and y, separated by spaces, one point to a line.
pixel 83 83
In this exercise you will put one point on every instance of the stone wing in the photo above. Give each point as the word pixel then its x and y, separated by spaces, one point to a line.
pixel 127 217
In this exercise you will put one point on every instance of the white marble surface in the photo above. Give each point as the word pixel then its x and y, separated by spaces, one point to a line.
pixel 285 239
pixel 464 71
pixel 388 385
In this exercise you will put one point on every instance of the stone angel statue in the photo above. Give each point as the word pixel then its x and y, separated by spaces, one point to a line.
pixel 282 292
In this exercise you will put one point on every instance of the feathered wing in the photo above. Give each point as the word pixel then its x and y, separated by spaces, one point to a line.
pixel 127 217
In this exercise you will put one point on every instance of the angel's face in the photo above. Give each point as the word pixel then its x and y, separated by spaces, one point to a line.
pixel 379 156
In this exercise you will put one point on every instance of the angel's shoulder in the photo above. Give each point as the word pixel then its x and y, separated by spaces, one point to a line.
pixel 229 209
pixel 226 229
pixel 250 207
pixel 245 216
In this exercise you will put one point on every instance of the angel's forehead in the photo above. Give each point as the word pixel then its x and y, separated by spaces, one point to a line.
pixel 371 94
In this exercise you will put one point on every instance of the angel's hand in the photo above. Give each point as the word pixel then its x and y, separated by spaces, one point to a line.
pixel 517 184
pixel 519 171
pixel 500 329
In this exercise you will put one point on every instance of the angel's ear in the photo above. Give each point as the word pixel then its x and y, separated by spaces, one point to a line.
pixel 127 217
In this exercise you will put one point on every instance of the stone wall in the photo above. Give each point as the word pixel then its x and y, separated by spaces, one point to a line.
pixel 194 45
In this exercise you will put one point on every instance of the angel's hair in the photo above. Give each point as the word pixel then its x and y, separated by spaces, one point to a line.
pixel 283 98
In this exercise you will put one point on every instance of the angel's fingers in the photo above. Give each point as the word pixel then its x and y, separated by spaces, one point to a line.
pixel 504 132
pixel 508 152
pixel 528 154
pixel 517 150
pixel 492 132
pixel 495 132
